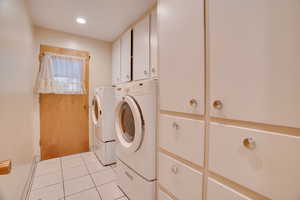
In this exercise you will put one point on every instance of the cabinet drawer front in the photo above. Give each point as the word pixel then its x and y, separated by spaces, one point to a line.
pixel 183 137
pixel 216 191
pixel 179 179
pixel 265 162
pixel 163 196
pixel 133 185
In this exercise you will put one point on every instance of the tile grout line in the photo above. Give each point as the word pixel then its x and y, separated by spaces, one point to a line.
pixel 45 187
pixel 79 156
pixel 80 191
pixel 109 167
pixel 85 164
pixel 83 161
pixel 50 185
pixel 62 176
pixel 40 188
pixel 95 186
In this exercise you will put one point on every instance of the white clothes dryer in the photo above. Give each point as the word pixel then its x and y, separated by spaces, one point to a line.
pixel 103 105
pixel 135 123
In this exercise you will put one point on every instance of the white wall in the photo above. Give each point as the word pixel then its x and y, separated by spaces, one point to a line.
pixel 16 96
pixel 100 63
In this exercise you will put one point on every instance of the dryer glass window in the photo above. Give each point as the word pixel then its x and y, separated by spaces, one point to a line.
pixel 127 123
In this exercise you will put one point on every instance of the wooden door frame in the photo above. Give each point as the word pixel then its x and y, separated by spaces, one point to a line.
pixel 67 52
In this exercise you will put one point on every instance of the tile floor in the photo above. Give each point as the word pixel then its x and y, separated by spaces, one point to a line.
pixel 75 177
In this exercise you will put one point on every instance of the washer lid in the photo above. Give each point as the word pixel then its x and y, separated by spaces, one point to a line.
pixel 129 124
pixel 96 110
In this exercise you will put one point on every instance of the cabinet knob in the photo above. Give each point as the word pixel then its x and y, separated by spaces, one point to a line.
pixel 175 125
pixel 174 169
pixel 193 102
pixel 84 107
pixel 127 76
pixel 145 72
pixel 218 104
pixel 153 69
pixel 249 143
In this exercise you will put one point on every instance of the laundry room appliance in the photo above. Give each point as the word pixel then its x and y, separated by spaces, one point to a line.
pixel 103 107
pixel 136 114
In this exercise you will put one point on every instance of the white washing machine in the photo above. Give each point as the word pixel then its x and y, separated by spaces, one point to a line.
pixel 103 107
pixel 136 113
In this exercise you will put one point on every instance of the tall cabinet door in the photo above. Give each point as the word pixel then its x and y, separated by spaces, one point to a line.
pixel 126 57
pixel 141 49
pixel 254 60
pixel 153 44
pixel 181 55
pixel 116 62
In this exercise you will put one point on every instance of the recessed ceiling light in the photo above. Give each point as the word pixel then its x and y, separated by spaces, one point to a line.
pixel 80 20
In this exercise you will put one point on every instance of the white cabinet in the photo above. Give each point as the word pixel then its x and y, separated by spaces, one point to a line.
pixel 181 55
pixel 265 162
pixel 141 49
pixel 153 44
pixel 126 57
pixel 133 185
pixel 218 191
pixel 254 60
pixel 180 179
pixel 183 137
pixel 116 62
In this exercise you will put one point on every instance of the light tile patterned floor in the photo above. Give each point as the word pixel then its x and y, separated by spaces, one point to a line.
pixel 75 177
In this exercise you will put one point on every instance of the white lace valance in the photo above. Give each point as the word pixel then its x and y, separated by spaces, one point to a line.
pixel 61 74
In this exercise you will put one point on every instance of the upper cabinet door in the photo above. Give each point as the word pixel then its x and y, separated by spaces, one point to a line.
pixel 181 55
pixel 126 57
pixel 141 49
pixel 116 62
pixel 153 44
pixel 254 60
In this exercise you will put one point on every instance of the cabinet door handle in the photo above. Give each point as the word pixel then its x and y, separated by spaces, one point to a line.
pixel 174 169
pixel 153 69
pixel 175 125
pixel 193 102
pixel 249 143
pixel 217 104
pixel 84 107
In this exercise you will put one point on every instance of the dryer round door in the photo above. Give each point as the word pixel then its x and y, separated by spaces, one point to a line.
pixel 129 124
pixel 96 110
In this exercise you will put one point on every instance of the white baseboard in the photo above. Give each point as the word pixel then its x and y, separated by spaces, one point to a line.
pixel 27 187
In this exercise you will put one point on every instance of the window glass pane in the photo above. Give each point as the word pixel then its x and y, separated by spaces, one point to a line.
pixel 67 68
pixel 68 73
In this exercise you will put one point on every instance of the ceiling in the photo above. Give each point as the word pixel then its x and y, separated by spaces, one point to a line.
pixel 106 19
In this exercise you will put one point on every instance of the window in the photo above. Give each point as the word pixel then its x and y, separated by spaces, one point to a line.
pixel 61 74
